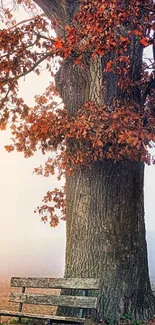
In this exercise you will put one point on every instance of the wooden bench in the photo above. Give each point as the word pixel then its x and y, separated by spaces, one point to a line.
pixel 81 302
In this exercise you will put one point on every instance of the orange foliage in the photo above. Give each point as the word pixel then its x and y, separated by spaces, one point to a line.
pixel 96 132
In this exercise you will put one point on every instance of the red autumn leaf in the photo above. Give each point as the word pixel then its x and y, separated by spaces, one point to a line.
pixel 58 43
pixel 144 41
pixel 3 126
pixel 9 148
pixel 101 52
pixel 108 66
pixel 78 60
pixel 101 9
pixel 123 39
pixel 99 143
pixel 137 32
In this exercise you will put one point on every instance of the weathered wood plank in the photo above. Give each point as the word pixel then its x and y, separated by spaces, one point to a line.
pixel 69 320
pixel 52 283
pixel 29 282
pixel 69 301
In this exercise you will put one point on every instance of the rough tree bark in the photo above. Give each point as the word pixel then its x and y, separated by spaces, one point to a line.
pixel 105 203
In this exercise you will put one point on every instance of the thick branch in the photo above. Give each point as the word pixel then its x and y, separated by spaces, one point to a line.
pixel 61 11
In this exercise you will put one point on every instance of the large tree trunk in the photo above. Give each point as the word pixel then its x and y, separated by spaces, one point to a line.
pixel 105 217
pixel 105 204
pixel 106 235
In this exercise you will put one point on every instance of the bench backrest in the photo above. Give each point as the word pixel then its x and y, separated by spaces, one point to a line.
pixel 82 301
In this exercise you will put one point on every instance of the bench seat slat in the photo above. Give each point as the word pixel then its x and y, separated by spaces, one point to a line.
pixel 40 316
pixel 66 301
pixel 59 283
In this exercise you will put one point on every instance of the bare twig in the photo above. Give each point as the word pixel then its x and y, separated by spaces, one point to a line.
pixel 25 21
pixel 4 99
pixel 48 54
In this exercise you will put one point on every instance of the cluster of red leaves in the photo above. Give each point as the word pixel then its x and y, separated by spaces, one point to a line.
pixel 57 209
pixel 93 134
pixel 96 132
pixel 96 29
pixel 23 48
pixel 102 27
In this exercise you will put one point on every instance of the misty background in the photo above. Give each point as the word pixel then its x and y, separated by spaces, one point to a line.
pixel 27 246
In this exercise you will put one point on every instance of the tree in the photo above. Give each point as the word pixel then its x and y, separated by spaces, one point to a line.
pixel 101 136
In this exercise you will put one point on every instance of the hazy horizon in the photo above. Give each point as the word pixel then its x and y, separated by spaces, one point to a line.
pixel 49 260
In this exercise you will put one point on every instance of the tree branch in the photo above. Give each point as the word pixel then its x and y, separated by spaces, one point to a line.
pixel 61 11
pixel 48 54
pixel 151 85
pixel 24 21
pixel 54 10
pixel 4 99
